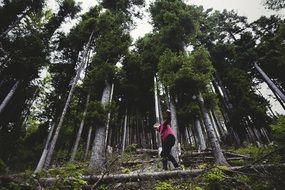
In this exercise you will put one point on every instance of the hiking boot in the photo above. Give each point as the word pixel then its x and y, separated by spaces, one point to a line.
pixel 179 167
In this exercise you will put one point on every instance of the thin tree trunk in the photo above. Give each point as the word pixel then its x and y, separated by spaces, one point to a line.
pixel 272 86
pixel 98 157
pixel 88 143
pixel 9 96
pixel 109 116
pixel 200 135
pixel 157 110
pixel 45 151
pixel 192 137
pixel 76 78
pixel 74 151
pixel 124 132
pixel 174 126
pixel 217 132
pixel 217 151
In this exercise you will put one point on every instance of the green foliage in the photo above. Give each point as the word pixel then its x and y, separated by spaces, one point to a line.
pixel 181 70
pixel 125 170
pixel 2 167
pixel 253 150
pixel 242 178
pixel 215 174
pixel 164 185
pixel 274 4
pixel 211 100
pixel 175 22
pixel 103 187
pixel 131 148
pixel 278 130
pixel 71 174
pixel 96 113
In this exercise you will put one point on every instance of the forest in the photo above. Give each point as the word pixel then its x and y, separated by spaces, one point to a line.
pixel 77 108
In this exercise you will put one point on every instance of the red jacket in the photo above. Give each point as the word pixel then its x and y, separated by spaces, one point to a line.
pixel 165 130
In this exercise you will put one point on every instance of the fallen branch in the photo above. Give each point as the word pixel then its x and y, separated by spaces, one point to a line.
pixel 104 173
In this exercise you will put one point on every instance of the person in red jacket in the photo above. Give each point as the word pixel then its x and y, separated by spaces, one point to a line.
pixel 168 140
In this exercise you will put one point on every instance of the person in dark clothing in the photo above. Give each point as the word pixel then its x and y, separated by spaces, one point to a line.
pixel 168 140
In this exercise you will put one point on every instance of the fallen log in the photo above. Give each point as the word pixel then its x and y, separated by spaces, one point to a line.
pixel 147 151
pixel 134 177
pixel 135 162
pixel 193 154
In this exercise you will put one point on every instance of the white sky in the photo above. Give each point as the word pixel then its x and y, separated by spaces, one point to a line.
pixel 252 9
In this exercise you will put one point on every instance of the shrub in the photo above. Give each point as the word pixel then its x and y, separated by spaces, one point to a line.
pixel 164 185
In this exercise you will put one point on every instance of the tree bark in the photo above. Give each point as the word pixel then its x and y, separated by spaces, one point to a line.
pixel 217 151
pixel 124 132
pixel 9 96
pixel 76 78
pixel 98 157
pixel 215 126
pixel 200 135
pixel 74 151
pixel 45 151
pixel 174 126
pixel 272 86
pixel 109 116
pixel 88 143
pixel 157 110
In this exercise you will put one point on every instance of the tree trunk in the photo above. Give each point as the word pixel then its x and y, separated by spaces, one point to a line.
pixel 272 86
pixel 45 151
pixel 88 143
pixel 157 110
pixel 217 151
pixel 174 126
pixel 200 135
pixel 75 80
pixel 74 151
pixel 109 116
pixel 124 132
pixel 98 157
pixel 215 126
pixel 9 96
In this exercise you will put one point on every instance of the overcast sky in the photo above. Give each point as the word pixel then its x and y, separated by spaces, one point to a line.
pixel 252 9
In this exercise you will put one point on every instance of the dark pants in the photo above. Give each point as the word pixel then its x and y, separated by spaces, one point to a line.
pixel 167 144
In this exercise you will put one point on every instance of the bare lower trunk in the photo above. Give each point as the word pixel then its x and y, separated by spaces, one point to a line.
pixel 157 110
pixel 80 130
pixel 45 151
pixel 9 96
pixel 217 151
pixel 200 135
pixel 272 86
pixel 215 126
pixel 124 132
pixel 98 157
pixel 109 116
pixel 174 126
pixel 88 143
